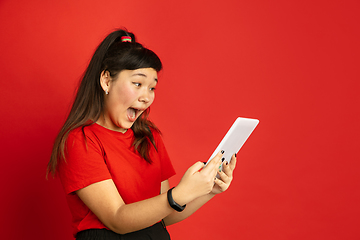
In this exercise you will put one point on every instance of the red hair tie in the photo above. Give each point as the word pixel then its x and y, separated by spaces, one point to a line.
pixel 125 39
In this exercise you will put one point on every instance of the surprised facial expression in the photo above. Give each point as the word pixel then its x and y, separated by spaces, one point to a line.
pixel 129 95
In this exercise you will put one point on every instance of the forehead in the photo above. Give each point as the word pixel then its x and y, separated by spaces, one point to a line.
pixel 147 73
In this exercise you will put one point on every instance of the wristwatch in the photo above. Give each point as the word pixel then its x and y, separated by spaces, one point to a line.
pixel 174 204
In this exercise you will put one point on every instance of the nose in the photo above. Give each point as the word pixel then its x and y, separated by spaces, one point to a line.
pixel 145 97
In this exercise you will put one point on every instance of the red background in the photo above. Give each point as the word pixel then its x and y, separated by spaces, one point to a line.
pixel 292 64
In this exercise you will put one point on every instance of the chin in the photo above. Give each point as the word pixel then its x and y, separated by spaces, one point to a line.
pixel 126 126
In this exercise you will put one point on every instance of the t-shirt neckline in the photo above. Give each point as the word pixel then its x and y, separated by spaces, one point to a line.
pixel 125 134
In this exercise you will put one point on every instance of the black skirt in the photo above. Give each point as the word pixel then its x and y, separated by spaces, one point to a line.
pixel 155 232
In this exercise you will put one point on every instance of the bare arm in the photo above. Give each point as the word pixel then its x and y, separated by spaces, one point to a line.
pixel 105 202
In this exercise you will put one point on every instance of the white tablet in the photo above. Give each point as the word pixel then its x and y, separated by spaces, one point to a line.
pixel 235 137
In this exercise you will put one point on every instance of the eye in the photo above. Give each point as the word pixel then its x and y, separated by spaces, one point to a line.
pixel 137 84
pixel 152 89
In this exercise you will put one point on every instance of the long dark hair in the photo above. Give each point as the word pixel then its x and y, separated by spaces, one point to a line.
pixel 112 55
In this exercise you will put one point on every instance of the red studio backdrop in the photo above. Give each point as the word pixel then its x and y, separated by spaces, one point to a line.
pixel 294 65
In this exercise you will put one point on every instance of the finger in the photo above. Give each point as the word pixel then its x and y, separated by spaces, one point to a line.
pixel 232 163
pixel 196 167
pixel 214 163
pixel 227 170
pixel 217 157
pixel 221 184
pixel 224 177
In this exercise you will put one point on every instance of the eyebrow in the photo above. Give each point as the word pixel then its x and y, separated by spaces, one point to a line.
pixel 143 75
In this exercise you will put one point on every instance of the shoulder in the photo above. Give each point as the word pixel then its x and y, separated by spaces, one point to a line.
pixel 82 145
pixel 83 134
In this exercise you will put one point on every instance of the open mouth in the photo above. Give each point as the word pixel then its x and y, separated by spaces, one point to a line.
pixel 133 113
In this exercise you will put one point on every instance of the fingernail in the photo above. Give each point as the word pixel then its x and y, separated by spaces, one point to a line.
pixel 222 151
pixel 235 154
pixel 222 159
pixel 226 163
pixel 204 163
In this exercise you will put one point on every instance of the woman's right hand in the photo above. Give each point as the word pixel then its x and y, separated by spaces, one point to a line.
pixel 197 181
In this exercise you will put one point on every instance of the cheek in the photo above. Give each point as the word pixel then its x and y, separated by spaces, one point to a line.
pixel 126 96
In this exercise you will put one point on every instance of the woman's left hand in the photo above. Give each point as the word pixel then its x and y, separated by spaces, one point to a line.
pixel 226 176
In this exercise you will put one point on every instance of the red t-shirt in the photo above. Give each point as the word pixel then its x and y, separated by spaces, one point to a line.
pixel 108 154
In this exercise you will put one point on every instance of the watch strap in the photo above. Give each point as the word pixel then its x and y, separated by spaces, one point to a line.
pixel 172 203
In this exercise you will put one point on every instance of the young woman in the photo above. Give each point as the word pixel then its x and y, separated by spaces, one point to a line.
pixel 110 158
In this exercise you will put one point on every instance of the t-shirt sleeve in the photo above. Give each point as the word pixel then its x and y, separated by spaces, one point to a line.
pixel 167 169
pixel 85 163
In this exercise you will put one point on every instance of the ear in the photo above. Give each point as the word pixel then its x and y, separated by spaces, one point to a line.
pixel 105 80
